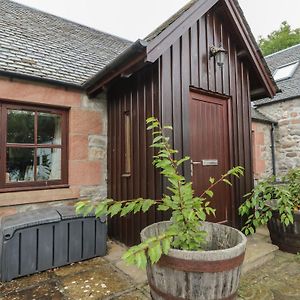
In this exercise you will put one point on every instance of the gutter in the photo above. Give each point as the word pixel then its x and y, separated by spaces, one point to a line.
pixel 115 68
pixel 40 79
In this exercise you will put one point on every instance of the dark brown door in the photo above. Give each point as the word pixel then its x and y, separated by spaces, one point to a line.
pixel 209 149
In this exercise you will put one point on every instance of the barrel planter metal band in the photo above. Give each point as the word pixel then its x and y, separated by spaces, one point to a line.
pixel 200 266
pixel 211 274
pixel 170 297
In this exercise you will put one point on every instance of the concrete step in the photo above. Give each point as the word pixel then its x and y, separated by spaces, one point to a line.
pixel 259 251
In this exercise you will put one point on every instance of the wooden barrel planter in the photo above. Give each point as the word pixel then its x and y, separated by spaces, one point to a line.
pixel 212 274
pixel 287 238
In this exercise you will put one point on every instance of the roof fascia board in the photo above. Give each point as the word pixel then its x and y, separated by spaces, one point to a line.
pixel 126 60
pixel 235 16
pixel 166 38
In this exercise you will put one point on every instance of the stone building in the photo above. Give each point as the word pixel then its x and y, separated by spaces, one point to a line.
pixel 282 113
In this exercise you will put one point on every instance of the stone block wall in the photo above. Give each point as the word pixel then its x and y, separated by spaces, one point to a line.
pixel 262 151
pixel 287 133
pixel 87 145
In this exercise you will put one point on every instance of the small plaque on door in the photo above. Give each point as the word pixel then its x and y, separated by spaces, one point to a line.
pixel 210 162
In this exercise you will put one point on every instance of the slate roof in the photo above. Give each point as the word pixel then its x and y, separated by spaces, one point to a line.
pixel 290 87
pixel 46 46
pixel 258 116
pixel 168 22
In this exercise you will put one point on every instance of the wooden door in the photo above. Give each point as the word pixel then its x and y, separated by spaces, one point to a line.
pixel 209 138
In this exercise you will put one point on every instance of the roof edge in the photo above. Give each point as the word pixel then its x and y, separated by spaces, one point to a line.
pixel 282 50
pixel 261 117
pixel 276 101
pixel 40 79
pixel 263 121
pixel 114 68
pixel 189 14
pixel 255 53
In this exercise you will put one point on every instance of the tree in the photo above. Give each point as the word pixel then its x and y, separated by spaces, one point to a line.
pixel 279 39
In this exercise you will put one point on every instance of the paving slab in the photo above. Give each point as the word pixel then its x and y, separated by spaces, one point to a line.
pixel 45 291
pixel 277 279
pixel 99 283
pixel 115 251
pixel 137 275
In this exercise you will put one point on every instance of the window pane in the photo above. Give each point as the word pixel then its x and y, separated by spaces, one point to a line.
pixel 48 164
pixel 20 126
pixel 49 129
pixel 19 164
pixel 285 72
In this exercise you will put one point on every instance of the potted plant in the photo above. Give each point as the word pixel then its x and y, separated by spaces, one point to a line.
pixel 186 257
pixel 277 206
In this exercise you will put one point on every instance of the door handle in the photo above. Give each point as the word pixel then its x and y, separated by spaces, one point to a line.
pixel 192 166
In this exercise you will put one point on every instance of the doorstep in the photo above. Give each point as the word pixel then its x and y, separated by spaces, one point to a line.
pixel 115 251
pixel 259 250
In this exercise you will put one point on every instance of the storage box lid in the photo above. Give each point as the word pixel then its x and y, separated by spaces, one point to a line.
pixel 10 224
pixel 69 212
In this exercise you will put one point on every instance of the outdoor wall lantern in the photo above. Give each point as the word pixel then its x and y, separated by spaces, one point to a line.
pixel 219 53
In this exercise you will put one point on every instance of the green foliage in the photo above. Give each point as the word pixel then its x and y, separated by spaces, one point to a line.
pixel 188 211
pixel 268 197
pixel 280 39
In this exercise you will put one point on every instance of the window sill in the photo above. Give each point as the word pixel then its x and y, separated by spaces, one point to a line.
pixel 32 188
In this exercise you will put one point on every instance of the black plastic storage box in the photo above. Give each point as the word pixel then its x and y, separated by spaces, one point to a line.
pixel 46 238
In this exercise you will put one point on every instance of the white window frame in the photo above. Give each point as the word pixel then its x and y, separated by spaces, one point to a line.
pixel 291 73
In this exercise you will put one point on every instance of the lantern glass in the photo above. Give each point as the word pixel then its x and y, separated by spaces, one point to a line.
pixel 220 58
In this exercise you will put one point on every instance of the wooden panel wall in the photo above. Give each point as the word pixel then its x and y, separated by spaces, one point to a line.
pixel 187 64
pixel 138 96
pixel 162 89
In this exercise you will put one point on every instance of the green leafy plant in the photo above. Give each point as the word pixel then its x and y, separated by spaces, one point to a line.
pixel 188 210
pixel 282 38
pixel 269 197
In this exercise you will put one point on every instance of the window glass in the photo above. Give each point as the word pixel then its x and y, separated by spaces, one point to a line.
pixel 34 148
pixel 19 164
pixel 285 72
pixel 127 151
pixel 20 126
pixel 49 129
pixel 48 164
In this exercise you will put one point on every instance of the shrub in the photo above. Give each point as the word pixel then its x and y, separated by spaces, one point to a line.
pixel 269 196
pixel 188 210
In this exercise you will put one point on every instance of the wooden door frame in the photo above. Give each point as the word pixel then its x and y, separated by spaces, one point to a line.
pixel 228 99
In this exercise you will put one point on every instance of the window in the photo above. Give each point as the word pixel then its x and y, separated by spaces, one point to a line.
pixel 286 71
pixel 127 152
pixel 33 147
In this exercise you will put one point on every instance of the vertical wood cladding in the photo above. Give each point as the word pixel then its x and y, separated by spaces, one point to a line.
pixel 162 89
pixel 137 97
pixel 187 64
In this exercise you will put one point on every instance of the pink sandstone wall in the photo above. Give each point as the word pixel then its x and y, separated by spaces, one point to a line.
pixel 261 147
pixel 87 145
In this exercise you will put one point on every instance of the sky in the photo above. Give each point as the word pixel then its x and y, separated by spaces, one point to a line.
pixel 133 19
